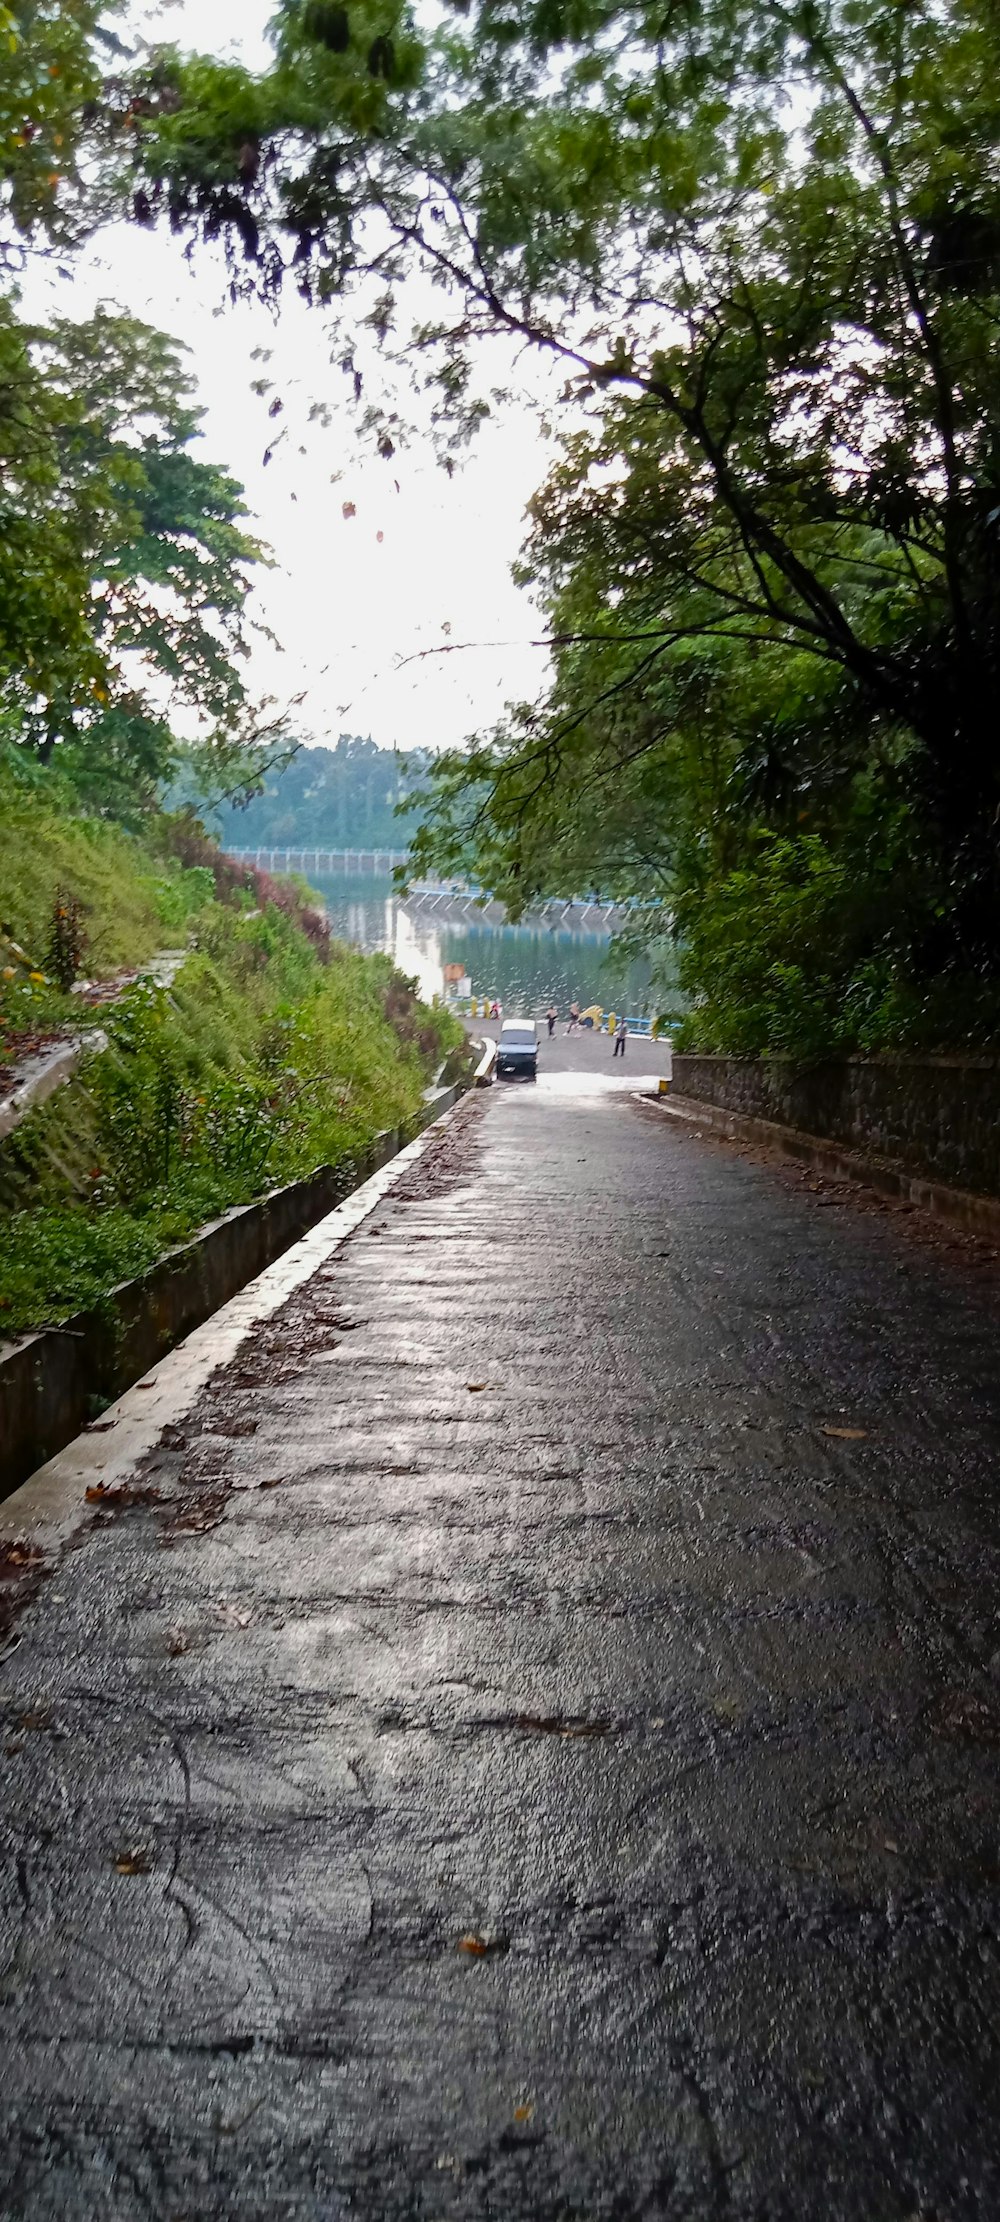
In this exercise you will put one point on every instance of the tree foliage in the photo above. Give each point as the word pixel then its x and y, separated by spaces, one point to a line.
pixel 55 118
pixel 125 562
pixel 761 239
pixel 125 559
pixel 344 797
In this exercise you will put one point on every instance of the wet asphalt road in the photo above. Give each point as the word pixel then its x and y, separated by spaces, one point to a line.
pixel 516 1763
pixel 588 1053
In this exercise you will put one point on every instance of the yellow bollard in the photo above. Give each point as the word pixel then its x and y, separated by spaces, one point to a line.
pixel 664 1087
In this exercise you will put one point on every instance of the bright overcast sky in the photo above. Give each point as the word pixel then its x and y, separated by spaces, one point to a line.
pixel 348 598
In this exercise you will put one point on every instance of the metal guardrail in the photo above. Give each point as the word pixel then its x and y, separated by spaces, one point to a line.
pixel 361 863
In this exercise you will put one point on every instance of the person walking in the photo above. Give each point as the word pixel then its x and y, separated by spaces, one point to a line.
pixel 574 1019
pixel 621 1037
pixel 551 1016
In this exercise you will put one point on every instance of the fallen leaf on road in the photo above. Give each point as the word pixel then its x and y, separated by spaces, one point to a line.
pixel 483 1948
pixel 15 1558
pixel 235 1616
pixel 196 1518
pixel 99 1427
pixel 274 1482
pixel 178 1643
pixel 129 1493
pixel 139 1862
pixel 474 1387
pixel 523 2113
pixel 848 1434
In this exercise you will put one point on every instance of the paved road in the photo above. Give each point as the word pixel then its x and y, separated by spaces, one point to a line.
pixel 590 1054
pixel 532 1753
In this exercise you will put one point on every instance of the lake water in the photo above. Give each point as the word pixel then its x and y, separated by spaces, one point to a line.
pixel 527 966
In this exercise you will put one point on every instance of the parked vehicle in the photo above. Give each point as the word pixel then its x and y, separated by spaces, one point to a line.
pixel 517 1048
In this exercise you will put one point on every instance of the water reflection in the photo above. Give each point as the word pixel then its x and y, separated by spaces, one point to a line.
pixel 526 966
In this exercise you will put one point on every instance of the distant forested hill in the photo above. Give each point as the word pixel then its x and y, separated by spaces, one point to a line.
pixel 334 798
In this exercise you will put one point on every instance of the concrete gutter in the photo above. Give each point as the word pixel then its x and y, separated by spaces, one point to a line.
pixel 52 1503
pixel 977 1214
pixel 53 1382
pixel 49 1069
pixel 42 1074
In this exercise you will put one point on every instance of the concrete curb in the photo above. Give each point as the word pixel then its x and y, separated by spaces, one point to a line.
pixel 52 1504
pixel 52 1382
pixel 484 1074
pixel 977 1214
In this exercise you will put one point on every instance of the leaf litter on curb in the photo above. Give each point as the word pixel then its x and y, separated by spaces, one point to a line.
pixel 17 1559
pixel 847 1434
pixel 197 1517
pixel 126 1494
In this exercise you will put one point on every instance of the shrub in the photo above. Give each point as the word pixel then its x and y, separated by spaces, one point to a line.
pixel 209 1093
pixel 67 939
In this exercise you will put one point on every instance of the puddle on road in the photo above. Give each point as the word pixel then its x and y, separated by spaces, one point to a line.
pixel 583 1084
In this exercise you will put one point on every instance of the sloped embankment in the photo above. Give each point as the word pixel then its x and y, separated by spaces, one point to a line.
pixel 272 1053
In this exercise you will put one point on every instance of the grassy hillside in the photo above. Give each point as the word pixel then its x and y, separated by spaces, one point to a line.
pixel 273 1052
pixel 133 901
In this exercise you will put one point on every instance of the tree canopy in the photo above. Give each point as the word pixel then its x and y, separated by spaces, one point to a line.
pixel 125 562
pixel 761 240
pixel 762 237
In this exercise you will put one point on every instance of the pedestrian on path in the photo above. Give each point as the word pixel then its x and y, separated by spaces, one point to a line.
pixel 574 1019
pixel 551 1017
pixel 621 1037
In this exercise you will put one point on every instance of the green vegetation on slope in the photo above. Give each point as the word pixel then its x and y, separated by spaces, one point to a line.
pixel 271 1054
pixel 133 900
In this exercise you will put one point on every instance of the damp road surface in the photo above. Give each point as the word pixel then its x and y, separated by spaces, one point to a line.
pixel 525 1744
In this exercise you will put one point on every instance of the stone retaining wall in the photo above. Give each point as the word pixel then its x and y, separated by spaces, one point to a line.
pixel 937 1116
